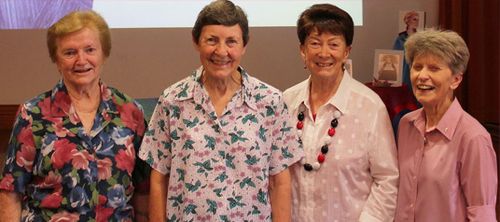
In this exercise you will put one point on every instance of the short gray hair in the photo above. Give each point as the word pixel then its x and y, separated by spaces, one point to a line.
pixel 221 12
pixel 445 44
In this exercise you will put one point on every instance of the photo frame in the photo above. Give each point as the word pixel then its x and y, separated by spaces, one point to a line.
pixel 388 68
pixel 403 15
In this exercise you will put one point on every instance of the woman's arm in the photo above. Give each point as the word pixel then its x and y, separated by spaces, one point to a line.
pixel 381 202
pixel 281 196
pixel 158 195
pixel 478 178
pixel 10 209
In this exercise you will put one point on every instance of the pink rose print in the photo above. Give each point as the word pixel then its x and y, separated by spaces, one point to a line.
pixel 102 199
pixel 45 106
pixel 52 201
pixel 104 169
pixel 132 117
pixel 125 159
pixel 59 129
pixel 7 183
pixel 63 102
pixel 26 155
pixel 58 108
pixel 102 213
pixel 52 180
pixel 25 136
pixel 62 153
pixel 81 159
pixel 64 217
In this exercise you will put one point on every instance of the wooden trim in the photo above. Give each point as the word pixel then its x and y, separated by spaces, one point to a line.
pixel 7 116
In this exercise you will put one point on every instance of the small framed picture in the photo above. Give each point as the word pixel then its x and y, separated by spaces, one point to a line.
pixel 388 68
pixel 411 19
pixel 348 66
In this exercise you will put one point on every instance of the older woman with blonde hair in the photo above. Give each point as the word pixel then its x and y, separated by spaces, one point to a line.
pixel 72 153
pixel 448 169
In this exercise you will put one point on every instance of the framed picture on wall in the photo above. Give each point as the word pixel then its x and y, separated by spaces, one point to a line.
pixel 411 19
pixel 388 68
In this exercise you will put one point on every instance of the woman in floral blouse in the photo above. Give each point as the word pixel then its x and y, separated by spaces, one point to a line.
pixel 72 153
pixel 220 142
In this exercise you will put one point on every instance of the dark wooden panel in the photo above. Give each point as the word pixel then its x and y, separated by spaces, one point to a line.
pixel 7 116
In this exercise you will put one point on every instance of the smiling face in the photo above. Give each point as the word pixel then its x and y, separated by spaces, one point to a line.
pixel 433 81
pixel 324 54
pixel 79 58
pixel 221 49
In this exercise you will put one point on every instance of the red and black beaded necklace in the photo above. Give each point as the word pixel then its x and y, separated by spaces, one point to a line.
pixel 325 148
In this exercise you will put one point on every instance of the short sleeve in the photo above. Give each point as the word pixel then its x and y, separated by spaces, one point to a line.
pixel 21 152
pixel 286 149
pixel 156 145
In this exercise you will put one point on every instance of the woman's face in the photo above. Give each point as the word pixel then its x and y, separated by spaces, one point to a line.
pixel 413 22
pixel 221 49
pixel 324 54
pixel 79 58
pixel 432 80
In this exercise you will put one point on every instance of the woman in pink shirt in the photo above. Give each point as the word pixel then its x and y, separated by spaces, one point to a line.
pixel 448 169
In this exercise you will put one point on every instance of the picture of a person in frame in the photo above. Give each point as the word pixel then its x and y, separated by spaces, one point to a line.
pixel 388 68
pixel 410 22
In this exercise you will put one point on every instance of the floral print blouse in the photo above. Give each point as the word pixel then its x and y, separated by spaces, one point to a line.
pixel 64 174
pixel 219 167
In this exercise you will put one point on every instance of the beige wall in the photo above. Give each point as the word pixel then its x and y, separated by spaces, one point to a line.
pixel 145 61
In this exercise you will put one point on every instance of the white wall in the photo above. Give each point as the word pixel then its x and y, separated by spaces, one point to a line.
pixel 145 61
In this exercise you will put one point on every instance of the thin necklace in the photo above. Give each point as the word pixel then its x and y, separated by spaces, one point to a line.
pixel 323 149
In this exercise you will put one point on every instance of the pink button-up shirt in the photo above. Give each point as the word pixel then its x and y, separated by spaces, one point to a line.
pixel 448 173
pixel 359 178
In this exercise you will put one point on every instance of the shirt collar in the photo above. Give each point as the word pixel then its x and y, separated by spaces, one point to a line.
pixel 339 100
pixel 62 106
pixel 341 97
pixel 194 89
pixel 448 123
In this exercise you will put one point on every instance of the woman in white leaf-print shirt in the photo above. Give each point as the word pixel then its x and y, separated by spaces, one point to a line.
pixel 220 141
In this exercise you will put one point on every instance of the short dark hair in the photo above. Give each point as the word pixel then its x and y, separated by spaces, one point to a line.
pixel 221 12
pixel 325 18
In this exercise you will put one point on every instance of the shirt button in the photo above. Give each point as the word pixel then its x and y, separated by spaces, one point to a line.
pixel 411 205
pixel 414 177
